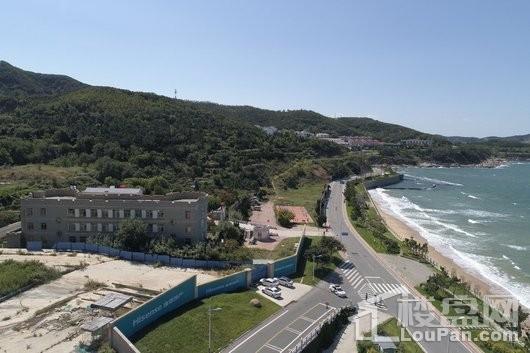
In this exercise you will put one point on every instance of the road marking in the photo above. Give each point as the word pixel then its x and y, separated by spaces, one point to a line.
pixel 255 333
pixel 306 319
pixel 268 345
pixel 296 332
pixel 371 277
pixel 307 328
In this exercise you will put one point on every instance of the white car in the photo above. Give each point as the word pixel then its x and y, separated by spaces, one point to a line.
pixel 337 290
pixel 274 292
pixel 269 282
pixel 286 282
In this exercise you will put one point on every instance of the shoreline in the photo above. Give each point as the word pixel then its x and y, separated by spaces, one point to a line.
pixel 479 285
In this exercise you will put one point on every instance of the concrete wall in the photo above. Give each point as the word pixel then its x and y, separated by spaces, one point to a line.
pixel 120 343
pixel 154 309
pixel 223 285
pixel 382 181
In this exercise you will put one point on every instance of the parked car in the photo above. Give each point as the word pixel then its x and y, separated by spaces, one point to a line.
pixel 337 290
pixel 269 282
pixel 344 234
pixel 273 292
pixel 286 282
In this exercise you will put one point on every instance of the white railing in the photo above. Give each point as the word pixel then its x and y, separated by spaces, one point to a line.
pixel 308 338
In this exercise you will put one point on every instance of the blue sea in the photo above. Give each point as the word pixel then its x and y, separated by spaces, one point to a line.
pixel 479 217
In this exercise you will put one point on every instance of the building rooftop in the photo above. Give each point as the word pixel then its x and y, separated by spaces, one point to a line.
pixel 114 191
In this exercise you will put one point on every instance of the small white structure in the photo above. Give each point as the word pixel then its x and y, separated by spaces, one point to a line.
pixel 259 232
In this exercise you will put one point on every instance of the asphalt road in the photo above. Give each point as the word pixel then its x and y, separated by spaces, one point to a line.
pixel 368 277
pixel 362 276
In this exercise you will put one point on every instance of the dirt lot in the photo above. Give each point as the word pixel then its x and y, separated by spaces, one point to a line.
pixel 47 318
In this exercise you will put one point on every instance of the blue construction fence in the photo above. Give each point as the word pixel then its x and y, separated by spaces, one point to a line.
pixel 286 266
pixel 172 299
pixel 145 257
pixel 163 304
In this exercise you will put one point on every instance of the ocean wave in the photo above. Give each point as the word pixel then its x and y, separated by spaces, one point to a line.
pixel 400 205
pixel 477 264
pixel 472 221
pixel 484 267
pixel 436 181
pixel 516 247
pixel 470 196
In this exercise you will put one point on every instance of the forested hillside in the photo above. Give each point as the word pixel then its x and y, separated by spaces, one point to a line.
pixel 315 122
pixel 164 144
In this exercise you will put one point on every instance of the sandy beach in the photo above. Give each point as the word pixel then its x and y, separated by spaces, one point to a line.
pixel 478 284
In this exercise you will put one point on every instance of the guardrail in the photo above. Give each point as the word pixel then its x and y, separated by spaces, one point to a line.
pixel 307 339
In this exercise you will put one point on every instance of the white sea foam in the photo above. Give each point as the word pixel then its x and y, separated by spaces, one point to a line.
pixel 472 221
pixel 483 266
pixel 436 181
pixel 516 247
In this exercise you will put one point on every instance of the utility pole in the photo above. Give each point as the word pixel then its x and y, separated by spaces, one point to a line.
pixel 210 327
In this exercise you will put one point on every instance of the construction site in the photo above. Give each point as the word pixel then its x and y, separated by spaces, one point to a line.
pixel 70 314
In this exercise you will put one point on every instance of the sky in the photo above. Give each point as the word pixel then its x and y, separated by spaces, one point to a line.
pixel 457 67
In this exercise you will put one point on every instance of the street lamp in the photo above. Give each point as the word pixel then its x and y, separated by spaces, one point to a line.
pixel 314 264
pixel 210 326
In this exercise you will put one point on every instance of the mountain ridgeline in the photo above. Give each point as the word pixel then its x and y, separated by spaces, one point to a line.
pixel 165 144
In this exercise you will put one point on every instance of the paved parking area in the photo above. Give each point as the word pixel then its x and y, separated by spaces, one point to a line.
pixel 289 295
pixel 290 335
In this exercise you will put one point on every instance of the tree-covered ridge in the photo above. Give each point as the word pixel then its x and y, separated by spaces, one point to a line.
pixel 315 122
pixel 15 82
pixel 124 135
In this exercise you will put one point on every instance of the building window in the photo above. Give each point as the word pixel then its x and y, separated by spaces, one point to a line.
pixel 72 239
pixel 83 227
pixel 188 214
pixel 187 241
pixel 71 212
pixel 82 239
pixel 127 213
pixel 43 212
pixel 83 212
pixel 43 226
pixel 188 230
pixel 149 214
pixel 30 226
pixel 93 212
pixel 59 234
pixel 29 212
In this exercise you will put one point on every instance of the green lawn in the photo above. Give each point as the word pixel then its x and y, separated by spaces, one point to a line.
pixel 305 267
pixel 286 247
pixel 187 330
pixel 305 195
pixel 17 274
pixel 390 328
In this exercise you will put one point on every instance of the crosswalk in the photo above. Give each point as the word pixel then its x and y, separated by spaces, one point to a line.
pixel 388 288
pixel 351 274
pixel 368 287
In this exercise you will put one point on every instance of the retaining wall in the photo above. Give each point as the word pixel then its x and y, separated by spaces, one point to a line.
pixel 382 181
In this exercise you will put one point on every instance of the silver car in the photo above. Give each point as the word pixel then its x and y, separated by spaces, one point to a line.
pixel 274 292
pixel 269 282
pixel 286 282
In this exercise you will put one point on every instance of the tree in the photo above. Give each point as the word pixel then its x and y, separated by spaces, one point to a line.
pixel 5 157
pixel 330 245
pixel 229 231
pixel 285 217
pixel 132 235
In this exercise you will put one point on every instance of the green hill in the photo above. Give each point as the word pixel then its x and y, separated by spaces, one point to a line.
pixel 15 82
pixel 315 122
